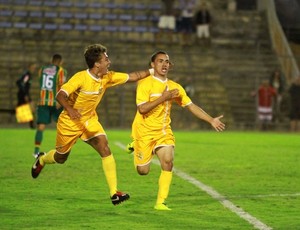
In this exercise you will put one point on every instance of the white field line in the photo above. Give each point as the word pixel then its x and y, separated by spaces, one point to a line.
pixel 225 202
pixel 267 195
pixel 214 194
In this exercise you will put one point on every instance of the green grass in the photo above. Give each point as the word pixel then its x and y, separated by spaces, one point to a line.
pixel 258 172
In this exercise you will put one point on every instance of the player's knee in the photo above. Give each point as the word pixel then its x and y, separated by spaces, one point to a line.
pixel 41 127
pixel 60 158
pixel 167 165
pixel 142 171
pixel 101 145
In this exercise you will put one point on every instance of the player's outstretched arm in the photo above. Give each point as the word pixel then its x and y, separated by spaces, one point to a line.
pixel 138 75
pixel 215 122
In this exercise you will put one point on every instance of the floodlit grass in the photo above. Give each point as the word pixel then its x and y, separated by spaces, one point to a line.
pixel 258 172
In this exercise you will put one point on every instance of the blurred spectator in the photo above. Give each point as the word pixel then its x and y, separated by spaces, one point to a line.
pixel 187 21
pixel 166 22
pixel 277 81
pixel 203 20
pixel 294 92
pixel 265 95
pixel 231 6
pixel 24 84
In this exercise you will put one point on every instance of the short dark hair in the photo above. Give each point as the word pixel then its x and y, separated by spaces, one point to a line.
pixel 93 54
pixel 154 55
pixel 56 58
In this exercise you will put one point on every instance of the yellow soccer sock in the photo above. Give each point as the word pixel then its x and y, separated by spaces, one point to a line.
pixel 164 183
pixel 109 168
pixel 48 158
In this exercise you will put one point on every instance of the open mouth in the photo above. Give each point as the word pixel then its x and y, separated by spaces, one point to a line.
pixel 164 70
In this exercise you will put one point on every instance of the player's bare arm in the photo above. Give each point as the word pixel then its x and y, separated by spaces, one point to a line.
pixel 201 114
pixel 217 124
pixel 138 75
pixel 62 99
pixel 166 95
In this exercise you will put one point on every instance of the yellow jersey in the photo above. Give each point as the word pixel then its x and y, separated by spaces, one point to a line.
pixel 158 120
pixel 85 91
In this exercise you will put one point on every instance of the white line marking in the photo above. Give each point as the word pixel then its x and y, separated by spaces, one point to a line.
pixel 226 203
pixel 266 195
pixel 214 194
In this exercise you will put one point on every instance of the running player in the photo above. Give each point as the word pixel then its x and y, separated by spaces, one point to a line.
pixel 79 97
pixel 151 128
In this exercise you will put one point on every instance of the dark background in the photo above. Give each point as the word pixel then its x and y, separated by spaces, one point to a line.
pixel 288 12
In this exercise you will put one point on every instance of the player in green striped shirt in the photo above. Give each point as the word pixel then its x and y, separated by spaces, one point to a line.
pixel 51 78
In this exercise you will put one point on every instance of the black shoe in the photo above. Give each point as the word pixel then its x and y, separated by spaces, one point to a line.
pixel 31 125
pixel 119 197
pixel 37 167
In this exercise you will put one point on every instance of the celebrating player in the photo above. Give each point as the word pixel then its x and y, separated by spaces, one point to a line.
pixel 151 128
pixel 79 97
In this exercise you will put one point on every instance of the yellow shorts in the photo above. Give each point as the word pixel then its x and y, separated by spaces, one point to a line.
pixel 144 148
pixel 68 131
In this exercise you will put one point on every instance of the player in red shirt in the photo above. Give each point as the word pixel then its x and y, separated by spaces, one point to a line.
pixel 266 94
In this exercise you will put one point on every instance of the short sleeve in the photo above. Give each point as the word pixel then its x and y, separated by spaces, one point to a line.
pixel 116 78
pixel 73 84
pixel 183 99
pixel 142 93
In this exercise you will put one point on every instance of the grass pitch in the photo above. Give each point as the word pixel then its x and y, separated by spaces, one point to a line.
pixel 257 172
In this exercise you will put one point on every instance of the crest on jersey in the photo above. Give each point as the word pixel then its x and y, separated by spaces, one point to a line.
pixel 140 155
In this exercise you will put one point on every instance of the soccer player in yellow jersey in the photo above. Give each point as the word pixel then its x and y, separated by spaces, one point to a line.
pixel 79 97
pixel 151 128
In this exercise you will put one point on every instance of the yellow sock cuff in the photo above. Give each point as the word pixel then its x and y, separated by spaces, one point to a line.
pixel 108 158
pixel 166 173
pixel 165 178
pixel 48 158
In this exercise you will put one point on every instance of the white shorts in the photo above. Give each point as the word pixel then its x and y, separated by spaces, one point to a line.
pixel 166 22
pixel 203 31
pixel 265 113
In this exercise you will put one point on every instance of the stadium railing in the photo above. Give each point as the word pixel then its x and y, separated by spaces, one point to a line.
pixel 280 43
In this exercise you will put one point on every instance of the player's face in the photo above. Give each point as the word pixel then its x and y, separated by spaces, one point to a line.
pixel 161 65
pixel 103 64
